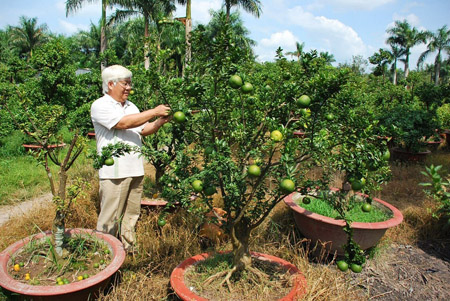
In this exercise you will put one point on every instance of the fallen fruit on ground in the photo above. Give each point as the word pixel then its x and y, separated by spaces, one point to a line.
pixel 356 268
pixel 342 265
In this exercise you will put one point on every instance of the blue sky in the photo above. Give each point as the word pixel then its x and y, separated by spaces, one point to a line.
pixel 344 28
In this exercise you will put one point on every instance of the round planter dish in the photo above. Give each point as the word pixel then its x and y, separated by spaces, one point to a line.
pixel 81 290
pixel 183 292
pixel 329 232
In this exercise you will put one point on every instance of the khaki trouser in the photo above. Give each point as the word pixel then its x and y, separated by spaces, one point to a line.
pixel 120 207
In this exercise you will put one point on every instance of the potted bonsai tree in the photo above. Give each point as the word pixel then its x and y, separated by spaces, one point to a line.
pixel 409 125
pixel 238 148
pixel 241 153
pixel 83 260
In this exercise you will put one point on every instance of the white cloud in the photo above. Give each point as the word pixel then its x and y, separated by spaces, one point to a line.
pixel 412 19
pixel 200 10
pixel 283 39
pixel 266 47
pixel 91 10
pixel 340 40
pixel 350 4
pixel 71 28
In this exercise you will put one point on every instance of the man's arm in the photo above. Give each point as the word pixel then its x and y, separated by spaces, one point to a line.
pixel 138 119
pixel 153 127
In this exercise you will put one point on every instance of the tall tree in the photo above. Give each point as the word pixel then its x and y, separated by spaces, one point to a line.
pixel 405 36
pixel 439 41
pixel 28 36
pixel 251 6
pixel 151 10
pixel 381 59
pixel 396 53
pixel 298 50
pixel 74 5
pixel 188 29
pixel 328 57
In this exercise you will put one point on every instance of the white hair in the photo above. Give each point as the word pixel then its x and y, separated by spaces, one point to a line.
pixel 114 73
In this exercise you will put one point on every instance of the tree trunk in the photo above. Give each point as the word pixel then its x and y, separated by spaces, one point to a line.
pixel 159 172
pixel 58 230
pixel 437 67
pixel 407 66
pixel 146 44
pixel 240 235
pixel 103 42
pixel 188 29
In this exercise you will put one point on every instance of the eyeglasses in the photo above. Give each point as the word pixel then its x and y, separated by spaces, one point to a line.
pixel 126 84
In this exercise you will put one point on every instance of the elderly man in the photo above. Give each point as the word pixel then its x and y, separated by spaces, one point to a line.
pixel 116 119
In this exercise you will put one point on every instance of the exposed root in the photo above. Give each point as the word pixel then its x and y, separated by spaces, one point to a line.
pixel 262 276
pixel 213 277
pixel 227 275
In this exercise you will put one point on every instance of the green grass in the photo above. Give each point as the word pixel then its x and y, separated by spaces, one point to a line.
pixel 21 177
pixel 322 207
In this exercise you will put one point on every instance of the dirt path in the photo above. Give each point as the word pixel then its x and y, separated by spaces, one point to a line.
pixel 10 211
pixel 405 272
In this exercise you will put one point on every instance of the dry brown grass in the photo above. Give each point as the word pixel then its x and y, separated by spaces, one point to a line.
pixel 145 276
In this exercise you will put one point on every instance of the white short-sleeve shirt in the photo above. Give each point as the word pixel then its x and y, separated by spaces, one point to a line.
pixel 106 112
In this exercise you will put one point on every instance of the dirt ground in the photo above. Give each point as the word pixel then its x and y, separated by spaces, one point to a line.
pixel 405 272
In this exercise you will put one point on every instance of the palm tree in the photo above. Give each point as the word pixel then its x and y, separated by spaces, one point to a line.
pixel 396 53
pixel 328 57
pixel 298 52
pixel 74 5
pixel 439 41
pixel 151 10
pixel 251 6
pixel 28 36
pixel 405 36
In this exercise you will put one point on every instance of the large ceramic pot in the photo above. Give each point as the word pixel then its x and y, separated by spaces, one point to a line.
pixel 404 155
pixel 86 289
pixel 183 292
pixel 326 231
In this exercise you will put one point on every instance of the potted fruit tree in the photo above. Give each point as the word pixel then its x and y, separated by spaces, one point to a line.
pixel 409 125
pixel 241 152
pixel 80 261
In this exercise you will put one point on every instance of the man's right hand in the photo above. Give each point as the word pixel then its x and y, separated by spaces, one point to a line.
pixel 162 111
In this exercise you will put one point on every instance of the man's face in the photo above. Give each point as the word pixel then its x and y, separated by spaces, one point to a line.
pixel 120 90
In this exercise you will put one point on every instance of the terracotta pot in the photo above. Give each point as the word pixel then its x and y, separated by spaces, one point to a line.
pixel 35 147
pixel 91 135
pixel 434 145
pixel 153 203
pixel 183 292
pixel 80 290
pixel 404 155
pixel 329 231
